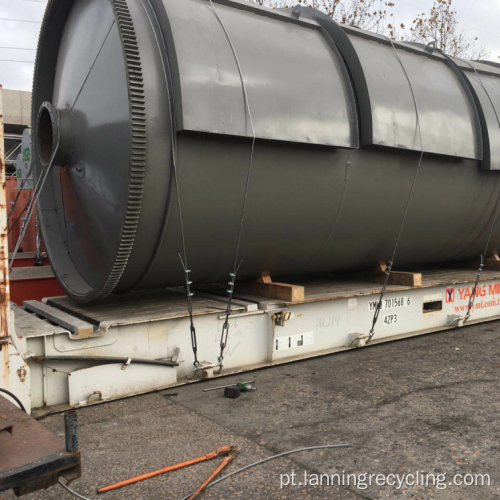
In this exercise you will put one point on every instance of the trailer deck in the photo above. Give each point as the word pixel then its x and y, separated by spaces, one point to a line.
pixel 65 340
pixel 171 303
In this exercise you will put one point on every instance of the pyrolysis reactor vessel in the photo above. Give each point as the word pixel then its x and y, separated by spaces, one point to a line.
pixel 310 130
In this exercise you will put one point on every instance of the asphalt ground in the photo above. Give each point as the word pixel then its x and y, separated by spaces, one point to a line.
pixel 428 404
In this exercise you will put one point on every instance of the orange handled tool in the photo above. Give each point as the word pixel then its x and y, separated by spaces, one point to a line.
pixel 219 451
pixel 212 476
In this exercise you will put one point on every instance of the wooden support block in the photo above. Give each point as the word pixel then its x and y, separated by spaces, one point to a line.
pixel 492 263
pixel 495 256
pixel 402 278
pixel 265 277
pixel 265 287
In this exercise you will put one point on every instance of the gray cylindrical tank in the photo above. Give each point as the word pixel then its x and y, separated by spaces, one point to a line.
pixel 122 87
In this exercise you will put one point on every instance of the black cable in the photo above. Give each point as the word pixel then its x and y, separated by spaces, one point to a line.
pixel 192 328
pixel 232 276
pixel 225 327
pixel 183 257
pixel 391 262
pixel 15 398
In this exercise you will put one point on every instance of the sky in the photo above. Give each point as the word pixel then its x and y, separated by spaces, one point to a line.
pixel 480 18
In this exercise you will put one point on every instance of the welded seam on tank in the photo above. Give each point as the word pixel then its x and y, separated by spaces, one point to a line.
pixel 393 258
pixel 225 327
pixel 138 144
pixel 446 247
pixel 337 218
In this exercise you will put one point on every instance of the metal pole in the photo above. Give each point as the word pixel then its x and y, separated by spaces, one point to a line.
pixel 230 385
pixel 4 245
pixel 71 430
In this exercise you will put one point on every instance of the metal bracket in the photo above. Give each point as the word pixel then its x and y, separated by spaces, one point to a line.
pixel 358 339
pixel 94 393
pixel 281 317
pixel 124 366
pixel 431 47
pixel 205 370
pixel 175 355
pixel 456 320
pixel 297 11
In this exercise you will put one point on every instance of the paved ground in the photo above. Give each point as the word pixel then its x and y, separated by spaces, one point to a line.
pixel 428 404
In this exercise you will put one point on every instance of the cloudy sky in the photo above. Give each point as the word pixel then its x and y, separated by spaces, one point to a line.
pixel 479 18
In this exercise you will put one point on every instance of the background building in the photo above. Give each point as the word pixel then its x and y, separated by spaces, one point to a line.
pixel 17 116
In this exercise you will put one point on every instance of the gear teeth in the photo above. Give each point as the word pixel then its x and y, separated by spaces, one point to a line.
pixel 138 142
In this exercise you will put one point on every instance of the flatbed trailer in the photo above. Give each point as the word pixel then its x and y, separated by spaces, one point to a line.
pixel 85 354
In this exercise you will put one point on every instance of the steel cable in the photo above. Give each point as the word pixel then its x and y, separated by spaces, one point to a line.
pixel 182 257
pixel 18 218
pixel 232 275
pixel 393 258
pixel 73 492
pixel 34 198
